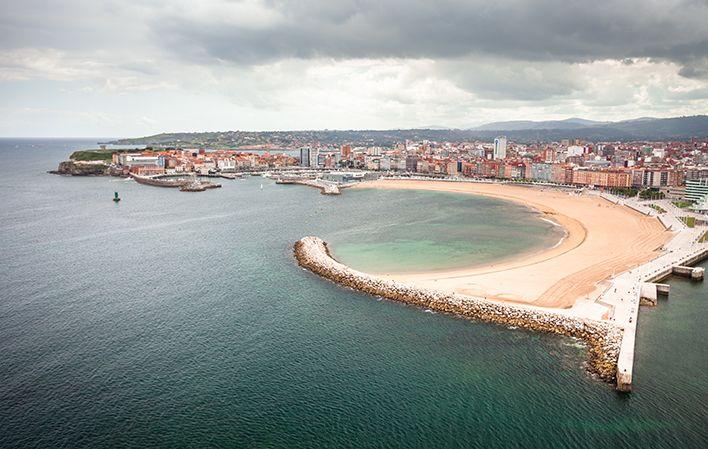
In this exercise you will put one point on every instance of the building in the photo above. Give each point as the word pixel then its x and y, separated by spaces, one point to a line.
pixel 147 170
pixel 142 161
pixel 561 174
pixel 694 173
pixel 499 148
pixel 226 165
pixel 602 178
pixel 542 172
pixel 674 193
pixel 574 150
pixel 451 168
pixel 696 190
pixel 654 178
pixel 314 158
pixel 304 157
pixel 411 163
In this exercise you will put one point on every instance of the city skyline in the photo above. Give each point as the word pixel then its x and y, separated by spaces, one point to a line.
pixel 110 69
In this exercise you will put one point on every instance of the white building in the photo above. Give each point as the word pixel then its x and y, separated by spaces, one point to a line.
pixel 574 150
pixel 226 164
pixel 696 190
pixel 500 147
pixel 314 157
pixel 132 160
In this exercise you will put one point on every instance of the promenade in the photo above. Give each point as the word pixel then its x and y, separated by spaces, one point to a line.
pixel 625 291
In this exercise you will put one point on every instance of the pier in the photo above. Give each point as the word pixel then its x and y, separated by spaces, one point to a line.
pixel 325 187
pixel 640 285
pixel 184 184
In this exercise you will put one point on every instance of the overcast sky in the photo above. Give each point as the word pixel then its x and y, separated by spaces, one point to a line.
pixel 138 67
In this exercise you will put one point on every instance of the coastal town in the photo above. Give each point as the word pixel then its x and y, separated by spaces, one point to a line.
pixel 633 214
pixel 667 169
pixel 396 224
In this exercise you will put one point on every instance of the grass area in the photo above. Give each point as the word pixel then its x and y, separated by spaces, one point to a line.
pixel 651 194
pixel 97 155
pixel 657 208
pixel 628 192
pixel 690 221
pixel 682 204
pixel 704 238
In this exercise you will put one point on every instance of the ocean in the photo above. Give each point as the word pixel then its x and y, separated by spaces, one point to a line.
pixel 179 319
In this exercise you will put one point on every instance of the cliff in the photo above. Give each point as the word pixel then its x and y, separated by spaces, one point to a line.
pixel 72 168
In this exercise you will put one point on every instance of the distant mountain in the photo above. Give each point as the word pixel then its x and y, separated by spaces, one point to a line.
pixel 438 127
pixel 518 125
pixel 643 129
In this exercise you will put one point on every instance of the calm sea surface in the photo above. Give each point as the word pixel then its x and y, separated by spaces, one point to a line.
pixel 182 320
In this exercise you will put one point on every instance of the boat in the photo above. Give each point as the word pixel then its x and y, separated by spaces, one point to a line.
pixel 116 198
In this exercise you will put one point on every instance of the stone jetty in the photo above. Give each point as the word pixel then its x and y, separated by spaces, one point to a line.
pixel 325 187
pixel 603 339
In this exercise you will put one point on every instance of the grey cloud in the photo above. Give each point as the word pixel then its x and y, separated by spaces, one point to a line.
pixel 697 68
pixel 550 30
pixel 208 32
pixel 501 79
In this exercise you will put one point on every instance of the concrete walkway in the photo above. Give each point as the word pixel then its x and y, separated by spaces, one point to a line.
pixel 624 292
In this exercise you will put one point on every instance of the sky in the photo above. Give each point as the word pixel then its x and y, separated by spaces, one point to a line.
pixel 141 67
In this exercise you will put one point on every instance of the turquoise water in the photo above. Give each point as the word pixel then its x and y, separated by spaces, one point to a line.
pixel 181 320
pixel 409 231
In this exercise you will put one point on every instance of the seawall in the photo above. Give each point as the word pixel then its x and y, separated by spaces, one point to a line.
pixel 603 339
pixel 326 188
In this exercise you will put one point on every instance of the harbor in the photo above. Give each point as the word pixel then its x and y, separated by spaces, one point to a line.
pixel 616 307
pixel 629 290
pixel 183 183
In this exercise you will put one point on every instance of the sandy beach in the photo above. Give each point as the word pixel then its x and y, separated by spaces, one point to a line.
pixel 602 240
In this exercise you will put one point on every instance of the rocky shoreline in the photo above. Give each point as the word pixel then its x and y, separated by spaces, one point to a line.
pixel 73 168
pixel 602 339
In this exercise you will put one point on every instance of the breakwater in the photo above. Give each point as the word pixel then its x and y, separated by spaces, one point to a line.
pixel 158 182
pixel 602 339
pixel 326 188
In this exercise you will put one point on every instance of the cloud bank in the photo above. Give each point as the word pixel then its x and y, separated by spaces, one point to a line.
pixel 271 64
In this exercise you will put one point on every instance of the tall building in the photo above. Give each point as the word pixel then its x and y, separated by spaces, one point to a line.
pixel 500 147
pixel 346 151
pixel 315 157
pixel 696 189
pixel 411 163
pixel 304 157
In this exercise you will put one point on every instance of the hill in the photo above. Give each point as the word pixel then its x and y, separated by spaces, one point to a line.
pixel 644 129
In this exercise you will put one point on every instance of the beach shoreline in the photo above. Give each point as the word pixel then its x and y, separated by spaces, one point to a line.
pixel 602 240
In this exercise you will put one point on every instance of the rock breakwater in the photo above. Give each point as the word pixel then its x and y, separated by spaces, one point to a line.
pixel 603 339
